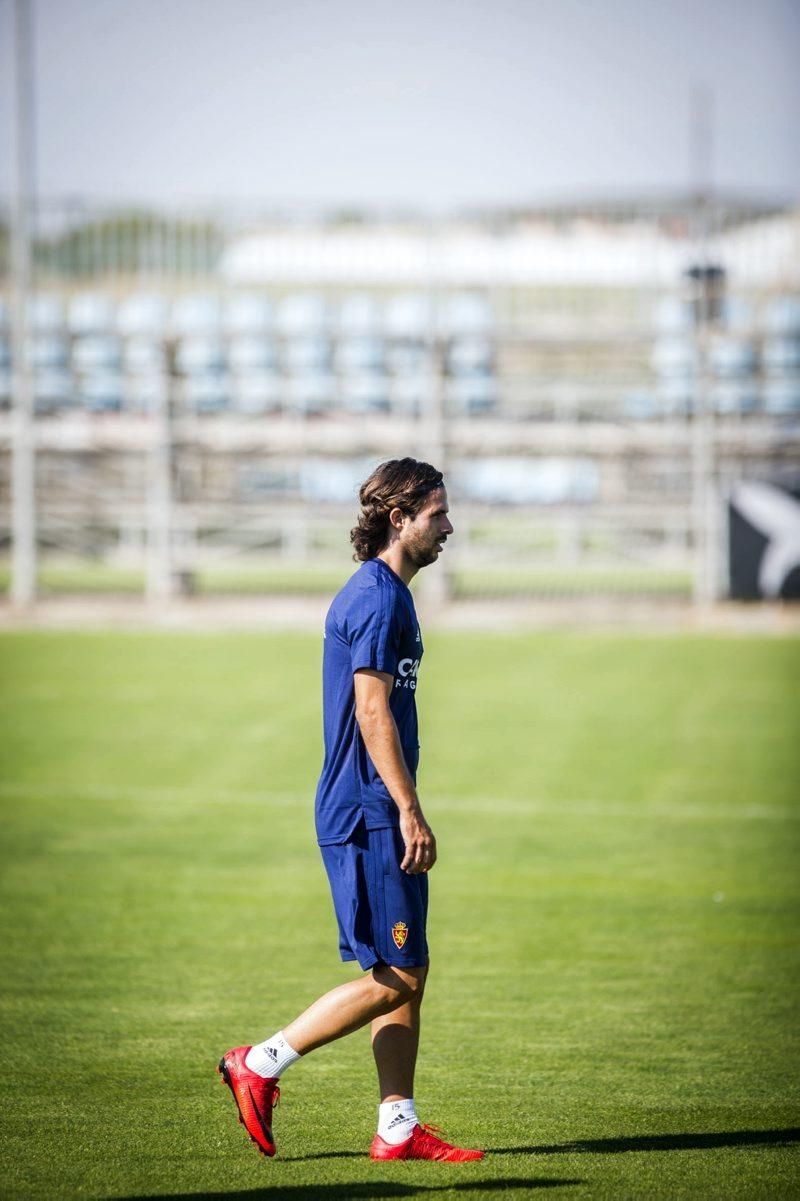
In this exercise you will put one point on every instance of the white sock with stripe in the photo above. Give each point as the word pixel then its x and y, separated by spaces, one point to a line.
pixel 272 1057
pixel 396 1120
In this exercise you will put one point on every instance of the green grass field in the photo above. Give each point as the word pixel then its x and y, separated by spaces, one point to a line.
pixel 612 1008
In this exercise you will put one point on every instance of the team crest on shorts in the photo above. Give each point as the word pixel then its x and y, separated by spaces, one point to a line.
pixel 399 934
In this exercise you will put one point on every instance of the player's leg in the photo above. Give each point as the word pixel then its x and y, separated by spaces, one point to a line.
pixel 400 1135
pixel 395 1043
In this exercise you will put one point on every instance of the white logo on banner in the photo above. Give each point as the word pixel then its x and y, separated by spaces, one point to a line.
pixel 776 515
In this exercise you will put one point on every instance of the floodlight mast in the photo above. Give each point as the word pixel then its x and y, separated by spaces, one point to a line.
pixel 23 488
pixel 704 502
pixel 434 587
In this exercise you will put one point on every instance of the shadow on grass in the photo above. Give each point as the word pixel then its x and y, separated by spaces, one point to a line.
pixel 364 1191
pixel 662 1142
pixel 614 1146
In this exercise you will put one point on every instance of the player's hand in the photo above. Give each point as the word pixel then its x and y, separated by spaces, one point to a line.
pixel 420 844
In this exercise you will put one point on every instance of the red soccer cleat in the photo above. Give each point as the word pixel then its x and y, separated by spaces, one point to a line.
pixel 254 1095
pixel 422 1144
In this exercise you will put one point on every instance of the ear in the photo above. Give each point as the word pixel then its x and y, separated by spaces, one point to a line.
pixel 396 518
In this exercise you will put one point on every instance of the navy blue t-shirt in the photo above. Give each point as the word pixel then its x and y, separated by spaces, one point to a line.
pixel 371 624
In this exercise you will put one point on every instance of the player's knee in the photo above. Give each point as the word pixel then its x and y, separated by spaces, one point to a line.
pixel 399 985
pixel 415 982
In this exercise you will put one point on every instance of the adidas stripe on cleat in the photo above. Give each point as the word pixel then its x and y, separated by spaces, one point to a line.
pixel 422 1144
pixel 255 1097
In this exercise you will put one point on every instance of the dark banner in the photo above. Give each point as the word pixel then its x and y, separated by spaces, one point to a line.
pixel 764 542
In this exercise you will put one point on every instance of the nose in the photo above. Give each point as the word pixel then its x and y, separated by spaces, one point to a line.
pixel 448 527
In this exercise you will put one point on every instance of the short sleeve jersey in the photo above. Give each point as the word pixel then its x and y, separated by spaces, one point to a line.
pixel 371 624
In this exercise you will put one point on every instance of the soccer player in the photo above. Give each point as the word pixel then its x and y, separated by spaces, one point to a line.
pixel 376 845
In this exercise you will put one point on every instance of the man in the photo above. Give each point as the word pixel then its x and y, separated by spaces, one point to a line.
pixel 376 844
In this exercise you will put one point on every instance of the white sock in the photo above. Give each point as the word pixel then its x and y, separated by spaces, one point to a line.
pixel 396 1120
pixel 272 1057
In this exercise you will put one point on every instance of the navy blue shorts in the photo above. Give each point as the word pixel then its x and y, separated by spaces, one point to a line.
pixel 381 910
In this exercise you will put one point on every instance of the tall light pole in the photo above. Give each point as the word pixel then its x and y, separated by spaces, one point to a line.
pixel 435 587
pixel 706 279
pixel 23 487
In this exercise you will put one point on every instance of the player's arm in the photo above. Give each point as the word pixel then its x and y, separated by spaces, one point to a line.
pixel 379 731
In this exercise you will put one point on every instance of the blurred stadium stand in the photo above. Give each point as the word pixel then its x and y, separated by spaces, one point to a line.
pixel 210 390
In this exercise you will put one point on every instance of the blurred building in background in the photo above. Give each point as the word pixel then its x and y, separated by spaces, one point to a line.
pixel 614 394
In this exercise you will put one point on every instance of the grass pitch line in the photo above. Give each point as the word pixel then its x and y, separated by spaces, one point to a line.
pixel 187 796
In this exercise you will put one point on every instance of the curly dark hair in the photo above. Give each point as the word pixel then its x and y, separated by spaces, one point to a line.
pixel 397 484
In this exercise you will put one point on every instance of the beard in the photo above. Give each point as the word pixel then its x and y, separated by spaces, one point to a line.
pixel 423 551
